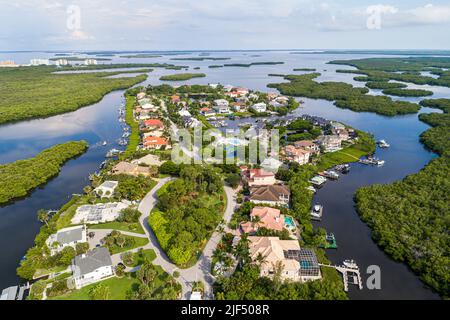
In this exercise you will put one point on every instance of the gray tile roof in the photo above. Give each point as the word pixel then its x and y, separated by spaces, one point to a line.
pixel 70 236
pixel 91 261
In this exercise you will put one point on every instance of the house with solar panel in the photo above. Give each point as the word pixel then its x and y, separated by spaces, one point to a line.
pixel 297 264
pixel 68 237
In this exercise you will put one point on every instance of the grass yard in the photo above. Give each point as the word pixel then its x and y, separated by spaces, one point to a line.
pixel 121 226
pixel 135 242
pixel 140 257
pixel 119 288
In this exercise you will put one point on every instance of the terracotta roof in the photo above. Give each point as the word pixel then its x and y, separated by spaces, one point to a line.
pixel 153 123
pixel 149 141
pixel 304 143
pixel 270 218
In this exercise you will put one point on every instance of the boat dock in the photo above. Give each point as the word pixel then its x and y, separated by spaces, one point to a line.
pixel 350 273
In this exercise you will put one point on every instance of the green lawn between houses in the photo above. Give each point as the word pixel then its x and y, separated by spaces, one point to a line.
pixel 120 226
pixel 119 288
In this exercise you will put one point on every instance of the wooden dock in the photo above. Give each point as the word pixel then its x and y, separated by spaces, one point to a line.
pixel 346 274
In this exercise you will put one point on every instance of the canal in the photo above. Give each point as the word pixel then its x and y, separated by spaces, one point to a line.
pixel 98 123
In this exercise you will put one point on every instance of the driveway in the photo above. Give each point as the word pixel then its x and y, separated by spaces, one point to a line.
pixel 201 270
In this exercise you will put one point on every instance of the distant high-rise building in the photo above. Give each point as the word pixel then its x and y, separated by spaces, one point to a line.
pixel 40 62
pixel 89 62
pixel 8 63
pixel 62 62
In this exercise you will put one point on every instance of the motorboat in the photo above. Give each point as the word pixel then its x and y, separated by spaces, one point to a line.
pixel 330 174
pixel 383 144
pixel 316 212
pixel 351 264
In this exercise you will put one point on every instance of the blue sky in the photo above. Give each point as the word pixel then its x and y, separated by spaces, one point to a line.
pixel 224 24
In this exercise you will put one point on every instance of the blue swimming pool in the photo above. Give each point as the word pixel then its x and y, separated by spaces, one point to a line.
pixel 289 222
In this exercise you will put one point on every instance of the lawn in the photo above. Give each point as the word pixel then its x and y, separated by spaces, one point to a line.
pixel 140 257
pixel 138 242
pixel 121 226
pixel 134 125
pixel 346 155
pixel 119 288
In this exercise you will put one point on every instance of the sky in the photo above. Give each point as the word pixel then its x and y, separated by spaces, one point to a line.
pixel 223 25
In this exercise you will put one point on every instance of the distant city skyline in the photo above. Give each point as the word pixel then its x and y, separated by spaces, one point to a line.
pixel 221 25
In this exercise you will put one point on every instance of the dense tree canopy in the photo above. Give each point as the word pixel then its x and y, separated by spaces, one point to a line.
pixel 32 92
pixel 20 177
pixel 410 218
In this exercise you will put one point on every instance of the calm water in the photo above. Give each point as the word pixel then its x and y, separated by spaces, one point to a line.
pixel 18 225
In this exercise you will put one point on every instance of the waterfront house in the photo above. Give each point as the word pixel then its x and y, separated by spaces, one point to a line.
pixel 207 112
pixel 240 91
pixel 155 143
pixel 175 99
pixel 275 195
pixel 99 213
pixel 269 218
pixel 259 107
pixel 106 189
pixel 298 264
pixel 67 237
pixel 239 106
pixel 221 106
pixel 336 126
pixel 130 169
pixel 298 155
pixel 330 143
pixel 257 177
pixel 92 267
pixel 141 95
pixel 150 107
pixel 308 145
pixel 153 124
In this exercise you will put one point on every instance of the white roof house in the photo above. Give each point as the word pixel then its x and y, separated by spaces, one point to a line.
pixel 221 106
pixel 68 237
pixel 92 267
pixel 260 107
pixel 221 102
pixel 99 213
pixel 184 113
pixel 106 189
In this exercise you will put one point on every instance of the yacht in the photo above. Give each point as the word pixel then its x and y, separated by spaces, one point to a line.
pixel 104 143
pixel 383 144
pixel 330 174
pixel 316 212
pixel 350 264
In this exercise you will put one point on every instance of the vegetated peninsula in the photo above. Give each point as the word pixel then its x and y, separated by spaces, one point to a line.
pixel 410 218
pixel 182 76
pixel 343 94
pixel 304 69
pixel 167 66
pixel 141 56
pixel 34 92
pixel 407 92
pixel 247 65
pixel 20 177
pixel 200 59
pixel 78 59
pixel 401 69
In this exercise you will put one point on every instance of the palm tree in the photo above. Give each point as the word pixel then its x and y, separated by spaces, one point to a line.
pixel 43 216
pixel 260 259
pixel 256 220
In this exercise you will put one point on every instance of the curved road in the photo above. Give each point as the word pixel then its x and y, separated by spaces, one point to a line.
pixel 201 270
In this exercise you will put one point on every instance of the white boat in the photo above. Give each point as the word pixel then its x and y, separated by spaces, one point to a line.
pixel 104 143
pixel 316 212
pixel 330 174
pixel 350 264
pixel 380 163
pixel 383 144
pixel 311 188
pixel 113 152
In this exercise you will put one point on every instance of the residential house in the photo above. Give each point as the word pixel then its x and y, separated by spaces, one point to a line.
pixel 240 91
pixel 272 96
pixel 130 169
pixel 155 143
pixel 308 145
pixel 221 106
pixel 259 107
pixel 207 112
pixel 269 218
pixel 67 237
pixel 175 99
pixel 144 101
pixel 153 124
pixel 336 126
pixel 239 106
pixel 330 143
pixel 257 177
pixel 297 264
pixel 271 164
pixel 184 113
pixel 106 189
pixel 92 267
pixel 298 155
pixel 150 107
pixel 343 134
pixel 99 213
pixel 276 195
pixel 141 95
pixel 153 133
pixel 190 122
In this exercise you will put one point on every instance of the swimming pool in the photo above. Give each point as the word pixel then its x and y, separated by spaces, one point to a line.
pixel 289 222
